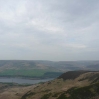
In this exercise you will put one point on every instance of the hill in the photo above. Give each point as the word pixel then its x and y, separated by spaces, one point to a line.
pixel 27 68
pixel 94 67
pixel 70 85
pixel 43 69
pixel 67 88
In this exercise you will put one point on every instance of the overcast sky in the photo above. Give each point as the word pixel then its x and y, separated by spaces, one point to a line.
pixel 49 30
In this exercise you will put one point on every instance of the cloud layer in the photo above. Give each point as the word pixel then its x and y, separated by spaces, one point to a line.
pixel 49 30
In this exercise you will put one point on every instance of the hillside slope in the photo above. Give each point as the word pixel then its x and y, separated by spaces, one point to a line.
pixel 72 87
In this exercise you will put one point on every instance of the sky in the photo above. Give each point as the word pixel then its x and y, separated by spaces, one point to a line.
pixel 57 30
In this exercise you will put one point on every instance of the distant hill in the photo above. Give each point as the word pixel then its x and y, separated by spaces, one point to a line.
pixel 43 68
pixel 27 68
pixel 93 67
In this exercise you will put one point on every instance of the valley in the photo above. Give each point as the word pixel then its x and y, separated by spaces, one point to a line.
pixel 71 79
pixel 42 69
pixel 83 85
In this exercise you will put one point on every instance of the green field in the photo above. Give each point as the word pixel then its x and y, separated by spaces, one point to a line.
pixel 29 73
pixel 35 72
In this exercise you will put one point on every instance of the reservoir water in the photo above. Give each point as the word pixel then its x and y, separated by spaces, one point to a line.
pixel 23 80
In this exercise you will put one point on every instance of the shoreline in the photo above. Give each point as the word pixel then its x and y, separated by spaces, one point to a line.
pixel 20 80
pixel 30 78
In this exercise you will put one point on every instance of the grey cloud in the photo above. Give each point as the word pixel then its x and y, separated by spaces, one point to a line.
pixel 53 30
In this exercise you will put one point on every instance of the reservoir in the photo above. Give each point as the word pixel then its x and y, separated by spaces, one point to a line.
pixel 23 80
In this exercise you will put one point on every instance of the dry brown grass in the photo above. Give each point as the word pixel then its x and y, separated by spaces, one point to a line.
pixel 51 87
pixel 14 92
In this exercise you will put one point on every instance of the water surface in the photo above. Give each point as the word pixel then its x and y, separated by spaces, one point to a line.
pixel 23 80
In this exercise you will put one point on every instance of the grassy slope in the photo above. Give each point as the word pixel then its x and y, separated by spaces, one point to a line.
pixel 87 92
pixel 13 91
pixel 74 88
pixel 67 89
